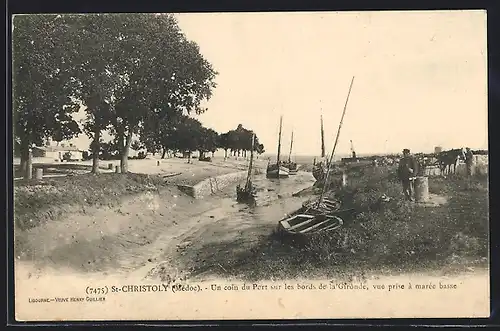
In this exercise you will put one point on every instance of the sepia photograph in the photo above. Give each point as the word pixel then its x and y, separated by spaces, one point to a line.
pixel 264 165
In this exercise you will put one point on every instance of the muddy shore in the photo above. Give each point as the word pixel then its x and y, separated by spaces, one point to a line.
pixel 158 232
pixel 140 232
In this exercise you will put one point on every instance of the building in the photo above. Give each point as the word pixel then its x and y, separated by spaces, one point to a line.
pixel 58 153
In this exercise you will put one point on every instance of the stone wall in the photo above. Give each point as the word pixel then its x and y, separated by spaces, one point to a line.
pixel 213 184
pixel 480 167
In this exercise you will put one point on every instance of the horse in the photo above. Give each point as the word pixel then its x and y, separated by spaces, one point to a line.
pixel 449 160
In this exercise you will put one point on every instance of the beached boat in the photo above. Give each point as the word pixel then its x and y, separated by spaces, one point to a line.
pixel 278 169
pixel 325 206
pixel 319 169
pixel 275 171
pixel 292 166
pixel 321 215
pixel 247 193
pixel 304 224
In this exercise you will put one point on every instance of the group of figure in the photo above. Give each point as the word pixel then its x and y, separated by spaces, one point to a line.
pixel 409 167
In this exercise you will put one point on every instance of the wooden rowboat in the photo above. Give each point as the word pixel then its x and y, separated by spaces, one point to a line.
pixel 306 224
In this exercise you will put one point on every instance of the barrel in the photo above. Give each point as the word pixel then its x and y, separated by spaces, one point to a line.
pixel 38 173
pixel 110 166
pixel 421 189
pixel 118 169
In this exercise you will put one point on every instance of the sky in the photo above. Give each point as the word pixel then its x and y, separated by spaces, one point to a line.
pixel 420 77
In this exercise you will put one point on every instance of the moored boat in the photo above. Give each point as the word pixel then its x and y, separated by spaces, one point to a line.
pixel 273 171
pixel 322 215
pixel 247 193
pixel 291 166
pixel 278 169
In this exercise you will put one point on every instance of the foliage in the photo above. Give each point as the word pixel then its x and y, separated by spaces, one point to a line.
pixel 42 85
pixel 134 74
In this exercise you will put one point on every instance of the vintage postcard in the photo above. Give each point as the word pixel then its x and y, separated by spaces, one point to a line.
pixel 250 165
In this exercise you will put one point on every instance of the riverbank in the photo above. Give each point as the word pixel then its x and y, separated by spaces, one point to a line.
pixel 159 232
pixel 77 200
pixel 137 233
pixel 450 237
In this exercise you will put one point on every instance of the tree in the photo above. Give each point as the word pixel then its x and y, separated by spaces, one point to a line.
pixel 260 149
pixel 187 135
pixel 208 141
pixel 42 85
pixel 93 46
pixel 223 142
pixel 167 75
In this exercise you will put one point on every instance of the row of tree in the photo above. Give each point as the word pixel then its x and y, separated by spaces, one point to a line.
pixel 186 134
pixel 134 74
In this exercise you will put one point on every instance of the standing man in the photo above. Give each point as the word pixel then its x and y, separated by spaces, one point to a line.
pixel 407 170
pixel 469 161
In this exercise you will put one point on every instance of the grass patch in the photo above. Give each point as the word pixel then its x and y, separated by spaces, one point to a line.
pixel 395 236
pixel 36 202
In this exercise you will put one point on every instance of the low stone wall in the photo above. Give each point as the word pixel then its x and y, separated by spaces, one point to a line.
pixel 480 167
pixel 432 171
pixel 213 184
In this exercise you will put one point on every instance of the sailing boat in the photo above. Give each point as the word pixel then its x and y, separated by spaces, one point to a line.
pixel 277 170
pixel 247 193
pixel 319 169
pixel 322 215
pixel 292 166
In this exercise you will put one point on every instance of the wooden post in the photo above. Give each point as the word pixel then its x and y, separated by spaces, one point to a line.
pixel 421 188
pixel 158 163
pixel 110 166
pixel 38 173
pixel 29 165
pixel 118 170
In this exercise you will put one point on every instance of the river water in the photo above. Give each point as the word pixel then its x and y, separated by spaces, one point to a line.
pixel 274 198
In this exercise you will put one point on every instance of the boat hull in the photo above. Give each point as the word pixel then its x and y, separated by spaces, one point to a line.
pixel 245 196
pixel 307 224
pixel 275 172
pixel 292 167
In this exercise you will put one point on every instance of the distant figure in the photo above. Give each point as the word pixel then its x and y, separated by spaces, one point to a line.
pixel 469 161
pixel 407 170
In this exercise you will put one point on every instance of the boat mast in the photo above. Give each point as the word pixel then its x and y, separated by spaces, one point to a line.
pixel 249 176
pixel 279 143
pixel 322 139
pixel 334 145
pixel 291 145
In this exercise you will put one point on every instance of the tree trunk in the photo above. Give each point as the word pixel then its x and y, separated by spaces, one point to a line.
pixel 96 149
pixel 29 166
pixel 24 154
pixel 125 152
pixel 189 157
pixel 163 153
pixel 225 154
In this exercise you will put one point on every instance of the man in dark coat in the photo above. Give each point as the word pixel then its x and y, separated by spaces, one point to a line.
pixel 469 161
pixel 407 170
